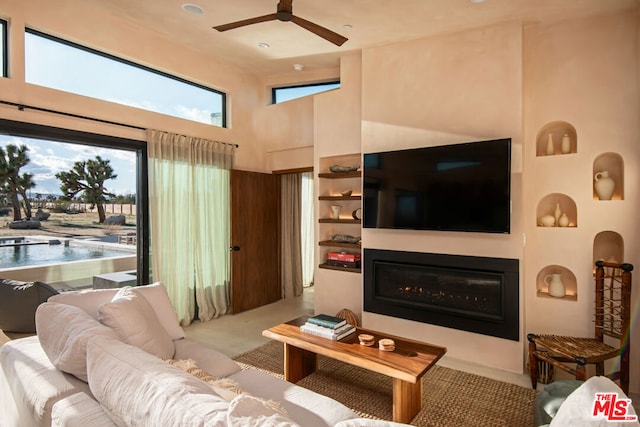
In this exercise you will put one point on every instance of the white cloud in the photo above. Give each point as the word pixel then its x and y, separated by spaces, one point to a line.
pixel 195 114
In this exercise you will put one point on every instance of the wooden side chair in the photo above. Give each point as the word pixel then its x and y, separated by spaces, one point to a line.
pixel 612 319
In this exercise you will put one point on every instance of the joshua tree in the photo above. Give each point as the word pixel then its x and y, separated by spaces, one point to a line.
pixel 11 182
pixel 87 180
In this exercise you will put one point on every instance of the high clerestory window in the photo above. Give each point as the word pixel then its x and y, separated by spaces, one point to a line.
pixel 282 94
pixel 66 66
pixel 3 48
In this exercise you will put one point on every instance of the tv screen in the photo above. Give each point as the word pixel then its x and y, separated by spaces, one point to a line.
pixel 461 187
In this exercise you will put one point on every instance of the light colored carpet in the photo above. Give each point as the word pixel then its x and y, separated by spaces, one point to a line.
pixel 450 397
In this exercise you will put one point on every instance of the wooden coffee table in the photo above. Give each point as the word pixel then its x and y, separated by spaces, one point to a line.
pixel 406 365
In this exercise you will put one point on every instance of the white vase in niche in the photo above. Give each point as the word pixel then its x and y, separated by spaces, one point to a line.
pixel 604 185
pixel 565 146
pixel 563 221
pixel 335 211
pixel 555 284
pixel 550 148
pixel 557 213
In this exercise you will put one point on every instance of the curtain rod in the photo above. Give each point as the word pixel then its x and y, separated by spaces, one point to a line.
pixel 22 107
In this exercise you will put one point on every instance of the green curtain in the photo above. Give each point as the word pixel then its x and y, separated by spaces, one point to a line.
pixel 189 204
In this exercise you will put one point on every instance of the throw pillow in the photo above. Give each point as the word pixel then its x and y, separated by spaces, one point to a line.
pixel 63 331
pixel 88 300
pixel 155 293
pixel 138 389
pixel 577 409
pixel 158 297
pixel 133 319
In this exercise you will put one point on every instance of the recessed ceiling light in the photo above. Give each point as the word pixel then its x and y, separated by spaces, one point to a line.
pixel 298 67
pixel 347 26
pixel 263 45
pixel 477 1
pixel 192 8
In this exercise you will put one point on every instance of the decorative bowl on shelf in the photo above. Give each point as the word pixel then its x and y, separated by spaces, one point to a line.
pixel 345 238
pixel 340 168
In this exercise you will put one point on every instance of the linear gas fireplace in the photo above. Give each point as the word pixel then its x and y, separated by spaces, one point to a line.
pixel 475 294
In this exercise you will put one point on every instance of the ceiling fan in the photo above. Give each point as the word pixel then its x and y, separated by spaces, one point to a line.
pixel 285 13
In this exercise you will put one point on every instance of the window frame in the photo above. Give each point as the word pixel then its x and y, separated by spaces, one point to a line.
pixel 134 64
pixel 275 89
pixel 31 130
pixel 4 32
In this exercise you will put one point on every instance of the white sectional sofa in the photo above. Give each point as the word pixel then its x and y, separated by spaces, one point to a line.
pixel 108 358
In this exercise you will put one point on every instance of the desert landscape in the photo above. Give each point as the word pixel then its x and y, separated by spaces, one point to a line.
pixel 63 224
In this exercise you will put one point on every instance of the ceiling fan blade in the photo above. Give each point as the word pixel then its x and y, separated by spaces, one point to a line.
pixel 316 29
pixel 244 22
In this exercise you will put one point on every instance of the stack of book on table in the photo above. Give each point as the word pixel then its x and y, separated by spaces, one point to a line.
pixel 329 327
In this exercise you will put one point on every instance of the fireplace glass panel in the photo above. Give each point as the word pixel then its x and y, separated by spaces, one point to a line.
pixel 469 293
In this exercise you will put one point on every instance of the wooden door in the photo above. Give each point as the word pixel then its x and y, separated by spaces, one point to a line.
pixel 255 237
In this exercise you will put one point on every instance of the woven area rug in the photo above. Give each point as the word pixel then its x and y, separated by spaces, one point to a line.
pixel 450 397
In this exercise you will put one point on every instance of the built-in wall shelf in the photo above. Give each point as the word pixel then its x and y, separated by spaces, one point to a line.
pixel 563 136
pixel 567 277
pixel 608 246
pixel 553 203
pixel 339 221
pixel 608 167
pixel 338 198
pixel 544 294
pixel 333 267
pixel 335 244
pixel 340 175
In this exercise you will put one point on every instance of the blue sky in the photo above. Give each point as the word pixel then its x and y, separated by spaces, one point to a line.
pixel 50 157
pixel 60 66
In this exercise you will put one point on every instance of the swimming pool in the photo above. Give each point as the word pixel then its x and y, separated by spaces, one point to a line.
pixel 29 255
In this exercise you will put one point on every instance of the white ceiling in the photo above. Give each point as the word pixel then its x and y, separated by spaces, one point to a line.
pixel 373 23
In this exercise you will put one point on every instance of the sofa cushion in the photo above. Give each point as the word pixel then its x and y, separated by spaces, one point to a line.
pixel 30 385
pixel 79 410
pixel 63 331
pixel 251 411
pixel 18 304
pixel 207 359
pixel 132 317
pixel 156 294
pixel 138 389
pixel 303 406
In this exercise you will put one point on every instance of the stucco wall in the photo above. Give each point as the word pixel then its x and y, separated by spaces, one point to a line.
pixel 457 88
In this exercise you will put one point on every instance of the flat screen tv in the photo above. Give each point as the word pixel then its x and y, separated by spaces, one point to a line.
pixel 460 187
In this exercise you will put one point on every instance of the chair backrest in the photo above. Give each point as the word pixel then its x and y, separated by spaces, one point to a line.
pixel 613 301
